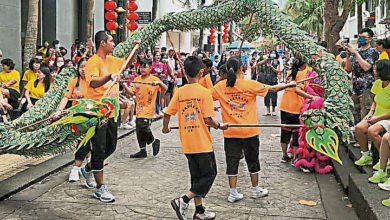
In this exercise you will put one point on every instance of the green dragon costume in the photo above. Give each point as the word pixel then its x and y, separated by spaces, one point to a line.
pixel 336 115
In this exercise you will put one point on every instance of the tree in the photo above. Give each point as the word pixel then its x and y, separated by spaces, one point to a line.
pixel 306 13
pixel 30 43
pixel 90 15
pixel 154 9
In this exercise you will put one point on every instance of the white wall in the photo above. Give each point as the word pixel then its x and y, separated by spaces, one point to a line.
pixel 98 24
pixel 10 31
pixel 67 23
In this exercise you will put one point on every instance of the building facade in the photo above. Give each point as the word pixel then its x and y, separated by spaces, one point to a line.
pixel 374 11
pixel 57 20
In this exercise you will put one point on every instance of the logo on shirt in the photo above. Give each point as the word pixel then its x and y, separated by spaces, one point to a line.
pixel 191 117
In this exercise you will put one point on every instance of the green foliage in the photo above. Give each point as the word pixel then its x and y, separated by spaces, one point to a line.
pixel 306 13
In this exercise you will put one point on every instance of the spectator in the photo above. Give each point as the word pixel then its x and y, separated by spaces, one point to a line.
pixel 156 49
pixel 10 79
pixel 222 61
pixel 159 70
pixel 34 90
pixel 50 57
pixel 32 72
pixel 377 119
pixel 272 72
pixel 360 63
pixel 43 50
pixel 382 45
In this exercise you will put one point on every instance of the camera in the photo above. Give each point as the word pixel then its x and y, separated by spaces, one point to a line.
pixel 344 54
pixel 346 40
pixel 83 50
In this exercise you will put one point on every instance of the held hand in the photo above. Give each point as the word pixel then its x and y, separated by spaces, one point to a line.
pixel 216 109
pixel 224 126
pixel 29 105
pixel 292 84
pixel 166 130
pixel 368 116
pixel 138 41
pixel 156 83
pixel 374 120
pixel 351 50
pixel 314 98
pixel 115 77
pixel 57 114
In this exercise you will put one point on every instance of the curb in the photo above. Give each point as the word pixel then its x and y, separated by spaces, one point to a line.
pixel 34 174
pixel 365 197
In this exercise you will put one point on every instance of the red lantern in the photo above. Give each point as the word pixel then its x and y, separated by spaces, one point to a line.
pixel 212 40
pixel 212 31
pixel 132 26
pixel 132 0
pixel 132 6
pixel 226 36
pixel 110 5
pixel 226 31
pixel 112 26
pixel 111 15
pixel 132 16
pixel 226 40
pixel 226 26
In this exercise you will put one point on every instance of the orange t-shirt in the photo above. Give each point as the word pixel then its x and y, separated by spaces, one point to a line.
pixel 238 105
pixel 97 67
pixel 80 92
pixel 206 82
pixel 292 102
pixel 194 103
pixel 145 96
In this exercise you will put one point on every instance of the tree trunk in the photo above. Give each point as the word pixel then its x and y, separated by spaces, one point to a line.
pixel 360 17
pixel 90 15
pixel 154 9
pixel 200 38
pixel 334 22
pixel 30 43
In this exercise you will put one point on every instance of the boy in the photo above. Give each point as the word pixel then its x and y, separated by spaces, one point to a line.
pixel 146 100
pixel 195 106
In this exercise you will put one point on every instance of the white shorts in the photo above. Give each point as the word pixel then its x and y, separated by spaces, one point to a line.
pixel 385 124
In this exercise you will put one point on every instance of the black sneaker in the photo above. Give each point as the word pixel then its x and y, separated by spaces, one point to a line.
pixel 156 147
pixel 140 154
pixel 285 159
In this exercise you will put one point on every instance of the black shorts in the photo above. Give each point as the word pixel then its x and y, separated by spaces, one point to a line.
pixel 203 170
pixel 170 87
pixel 233 152
pixel 143 132
pixel 286 133
pixel 83 151
pixel 103 144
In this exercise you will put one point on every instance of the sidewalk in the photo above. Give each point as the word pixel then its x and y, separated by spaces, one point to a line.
pixel 18 172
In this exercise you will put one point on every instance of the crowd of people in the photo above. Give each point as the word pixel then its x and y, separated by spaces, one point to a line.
pixel 163 82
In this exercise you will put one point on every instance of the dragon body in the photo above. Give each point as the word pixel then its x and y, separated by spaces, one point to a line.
pixel 335 116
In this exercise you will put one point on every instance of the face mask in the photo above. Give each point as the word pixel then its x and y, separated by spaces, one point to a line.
pixel 362 41
pixel 272 56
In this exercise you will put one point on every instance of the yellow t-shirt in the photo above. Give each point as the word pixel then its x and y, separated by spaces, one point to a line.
pixel 13 75
pixel 35 92
pixel 292 102
pixel 206 82
pixel 97 67
pixel 193 102
pixel 29 75
pixel 238 105
pixel 382 98
pixel 145 96
pixel 384 56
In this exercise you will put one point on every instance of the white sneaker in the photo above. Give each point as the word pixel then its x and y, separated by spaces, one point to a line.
pixel 234 198
pixel 132 124
pixel 125 126
pixel 205 215
pixel 74 175
pixel 89 180
pixel 104 195
pixel 260 194
pixel 385 185
pixel 180 208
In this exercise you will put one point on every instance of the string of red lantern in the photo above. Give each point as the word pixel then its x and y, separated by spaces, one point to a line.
pixel 132 16
pixel 111 16
pixel 212 36
pixel 226 33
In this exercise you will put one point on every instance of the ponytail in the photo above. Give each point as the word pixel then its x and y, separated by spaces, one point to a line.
pixel 231 78
pixel 233 65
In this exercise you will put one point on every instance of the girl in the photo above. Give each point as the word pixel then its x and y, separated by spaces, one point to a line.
pixel 237 98
pixel 34 90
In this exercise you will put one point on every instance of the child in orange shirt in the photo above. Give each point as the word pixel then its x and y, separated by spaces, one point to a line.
pixel 146 96
pixel 195 106
pixel 237 98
